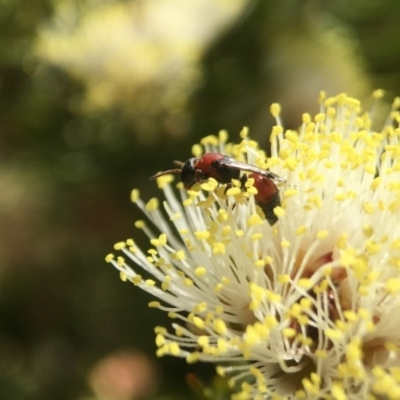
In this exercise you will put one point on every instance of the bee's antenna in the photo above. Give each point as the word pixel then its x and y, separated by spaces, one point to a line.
pixel 170 171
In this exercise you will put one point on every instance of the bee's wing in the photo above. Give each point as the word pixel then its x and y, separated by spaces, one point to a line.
pixel 231 163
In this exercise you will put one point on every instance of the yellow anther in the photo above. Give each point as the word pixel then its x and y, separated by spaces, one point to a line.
pixel 220 370
pixel 274 297
pixel 197 150
pixel 244 132
pixel 222 215
pixel 234 191
pixel 396 103
pixel 290 193
pixel 225 280
pixel 218 287
pixel 160 340
pixel 331 112
pixel 179 255
pixel 198 322
pixel 321 353
pixel 203 341
pixel 165 285
pixel 305 283
pixel 300 230
pixel 119 245
pixel 279 211
pixel 275 110
pixel 174 349
pixel 351 316
pixel 152 204
pixel 210 140
pixel 306 118
pixel 284 279
pixel 135 195
pixel 202 235
pixel 200 307
pixel 330 101
pixel 378 94
pixel 200 271
pixel 395 245
pixel 291 163
pixel 341 242
pixel 276 130
pixel 289 333
pixel 292 136
pixel 340 196
pixel 392 285
pixel 305 303
pixel 375 183
pixel 160 330
pixel 219 326
pixel 322 234
pixel 271 321
pixel 192 358
pixel 322 96
pixel 338 392
pixel 137 280
pixel 164 180
pixel 219 248
pixel 256 236
pixel 334 334
pixel 370 169
pixel 223 136
pixel 255 220
pixel 161 241
pixel 187 202
pixel 210 185
pixel 109 257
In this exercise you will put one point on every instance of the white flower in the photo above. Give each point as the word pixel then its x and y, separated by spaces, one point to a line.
pixel 309 307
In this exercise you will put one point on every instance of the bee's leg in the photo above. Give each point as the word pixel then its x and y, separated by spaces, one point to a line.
pixel 227 187
pixel 199 176
pixel 243 180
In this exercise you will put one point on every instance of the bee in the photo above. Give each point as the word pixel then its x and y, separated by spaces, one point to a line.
pixel 223 169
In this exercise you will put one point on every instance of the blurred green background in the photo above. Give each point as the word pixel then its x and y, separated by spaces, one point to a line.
pixel 98 95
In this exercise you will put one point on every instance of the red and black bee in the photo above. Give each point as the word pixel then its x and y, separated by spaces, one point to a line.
pixel 223 169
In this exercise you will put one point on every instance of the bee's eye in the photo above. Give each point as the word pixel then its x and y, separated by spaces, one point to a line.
pixel 188 173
